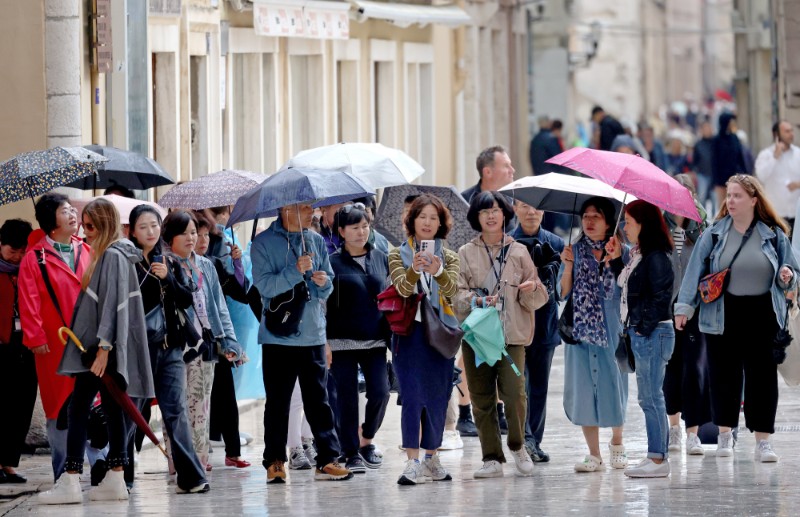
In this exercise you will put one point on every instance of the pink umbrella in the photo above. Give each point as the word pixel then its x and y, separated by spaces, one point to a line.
pixel 634 175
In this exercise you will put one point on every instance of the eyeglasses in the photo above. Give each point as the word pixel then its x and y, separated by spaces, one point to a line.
pixel 68 210
pixel 486 212
pixel 347 208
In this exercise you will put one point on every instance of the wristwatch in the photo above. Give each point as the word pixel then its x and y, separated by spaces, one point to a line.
pixel 105 346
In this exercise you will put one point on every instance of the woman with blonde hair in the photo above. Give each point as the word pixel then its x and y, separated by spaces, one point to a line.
pixel 110 325
pixel 748 240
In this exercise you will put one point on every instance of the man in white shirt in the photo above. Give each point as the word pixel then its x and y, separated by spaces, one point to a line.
pixel 778 168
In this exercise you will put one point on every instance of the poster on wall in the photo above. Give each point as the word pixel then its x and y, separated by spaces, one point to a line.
pixel 287 20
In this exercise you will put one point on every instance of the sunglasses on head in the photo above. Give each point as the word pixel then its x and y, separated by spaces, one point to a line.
pixel 347 208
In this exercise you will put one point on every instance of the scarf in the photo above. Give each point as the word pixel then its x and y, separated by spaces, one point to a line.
pixel 622 281
pixel 590 288
pixel 8 267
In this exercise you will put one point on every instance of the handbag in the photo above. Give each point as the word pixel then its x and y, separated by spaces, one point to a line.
pixel 442 337
pixel 712 285
pixel 565 323
pixel 624 353
pixel 194 345
pixel 782 338
pixel 399 311
pixel 283 315
pixel 156 325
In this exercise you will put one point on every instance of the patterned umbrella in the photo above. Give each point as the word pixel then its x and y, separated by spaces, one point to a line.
pixel 222 188
pixel 34 173
pixel 124 168
pixel 388 219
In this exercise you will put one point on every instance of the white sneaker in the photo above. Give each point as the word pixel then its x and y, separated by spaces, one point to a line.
pixel 725 444
pixel 298 459
pixel 675 438
pixel 111 488
pixel 619 459
pixel 451 441
pixel 216 443
pixel 245 438
pixel 647 468
pixel 523 461
pixel 412 474
pixel 490 469
pixel 764 452
pixel 432 469
pixel 67 490
pixel 693 445
pixel 310 450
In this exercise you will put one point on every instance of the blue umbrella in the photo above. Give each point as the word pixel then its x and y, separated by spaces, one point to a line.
pixel 296 186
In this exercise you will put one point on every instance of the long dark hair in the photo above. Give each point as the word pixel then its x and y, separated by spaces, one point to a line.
pixel 654 234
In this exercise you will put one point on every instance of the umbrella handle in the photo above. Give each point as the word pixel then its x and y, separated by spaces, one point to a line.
pixel 65 332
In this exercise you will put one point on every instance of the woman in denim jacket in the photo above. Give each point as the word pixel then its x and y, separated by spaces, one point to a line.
pixel 741 324
pixel 646 309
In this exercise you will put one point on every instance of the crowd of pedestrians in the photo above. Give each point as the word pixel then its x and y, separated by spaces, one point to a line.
pixel 150 319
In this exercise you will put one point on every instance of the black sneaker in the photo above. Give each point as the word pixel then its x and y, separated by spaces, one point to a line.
pixel 466 427
pixel 539 456
pixel 356 465
pixel 98 472
pixel 371 460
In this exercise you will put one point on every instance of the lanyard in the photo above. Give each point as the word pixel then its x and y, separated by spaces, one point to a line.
pixel 503 257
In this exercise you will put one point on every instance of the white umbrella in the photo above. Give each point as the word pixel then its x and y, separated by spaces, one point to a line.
pixel 125 205
pixel 562 193
pixel 376 165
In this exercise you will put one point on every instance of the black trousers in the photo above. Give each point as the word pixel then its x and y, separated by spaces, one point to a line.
pixel 224 418
pixel 538 361
pixel 18 374
pixel 743 355
pixel 686 382
pixel 344 370
pixel 282 367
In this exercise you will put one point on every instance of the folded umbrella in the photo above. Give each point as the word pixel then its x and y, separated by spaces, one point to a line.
pixel 119 395
pixel 634 175
pixel 127 169
pixel 374 164
pixel 221 188
pixel 483 331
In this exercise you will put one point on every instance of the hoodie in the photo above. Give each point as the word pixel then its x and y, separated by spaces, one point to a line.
pixel 728 152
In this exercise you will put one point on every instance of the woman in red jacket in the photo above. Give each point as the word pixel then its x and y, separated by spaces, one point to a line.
pixel 49 284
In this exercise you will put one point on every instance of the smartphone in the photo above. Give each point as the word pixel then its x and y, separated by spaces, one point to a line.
pixel 158 258
pixel 427 246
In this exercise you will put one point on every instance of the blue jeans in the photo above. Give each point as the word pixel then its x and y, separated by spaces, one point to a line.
pixel 58 447
pixel 652 353
pixel 169 376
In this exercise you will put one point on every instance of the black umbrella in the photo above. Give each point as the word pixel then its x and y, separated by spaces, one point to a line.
pixel 388 220
pixel 125 169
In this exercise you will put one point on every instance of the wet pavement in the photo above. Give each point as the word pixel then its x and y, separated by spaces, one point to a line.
pixel 698 484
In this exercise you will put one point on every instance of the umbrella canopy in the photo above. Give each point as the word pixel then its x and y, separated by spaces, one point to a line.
pixel 124 205
pixel 376 165
pixel 127 169
pixel 292 186
pixel 34 173
pixel 634 175
pixel 222 188
pixel 483 330
pixel 388 220
pixel 562 193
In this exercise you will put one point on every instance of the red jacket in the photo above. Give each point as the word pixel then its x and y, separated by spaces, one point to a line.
pixel 41 320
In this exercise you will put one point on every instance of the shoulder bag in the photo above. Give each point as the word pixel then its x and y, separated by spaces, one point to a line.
pixel 399 311
pixel 284 313
pixel 442 337
pixel 712 285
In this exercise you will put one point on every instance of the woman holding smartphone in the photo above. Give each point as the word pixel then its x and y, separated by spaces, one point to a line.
pixel 425 395
pixel 165 288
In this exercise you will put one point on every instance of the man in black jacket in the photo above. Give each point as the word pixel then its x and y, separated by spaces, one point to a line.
pixel 608 127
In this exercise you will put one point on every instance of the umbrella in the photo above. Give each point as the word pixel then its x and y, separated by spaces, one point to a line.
pixel 127 169
pixel 33 173
pixel 483 331
pixel 388 219
pixel 122 398
pixel 376 165
pixel 561 193
pixel 295 186
pixel 634 175
pixel 124 205
pixel 222 188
